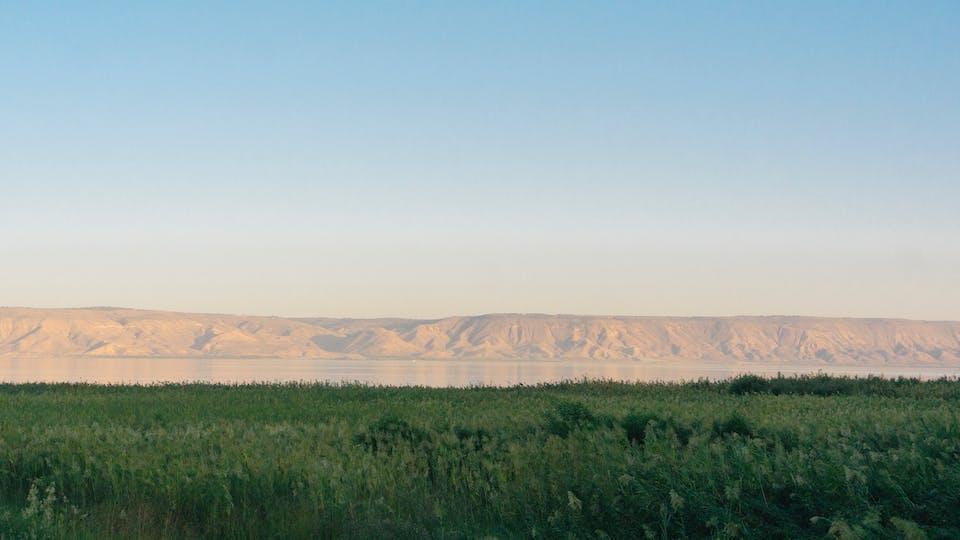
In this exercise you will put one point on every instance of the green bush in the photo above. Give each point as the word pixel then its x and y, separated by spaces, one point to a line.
pixel 475 437
pixel 749 384
pixel 389 431
pixel 636 425
pixel 569 416
pixel 735 424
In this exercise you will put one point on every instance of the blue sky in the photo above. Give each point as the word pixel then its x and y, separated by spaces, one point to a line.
pixel 427 159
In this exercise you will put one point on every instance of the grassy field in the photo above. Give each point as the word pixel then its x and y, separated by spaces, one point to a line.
pixel 753 458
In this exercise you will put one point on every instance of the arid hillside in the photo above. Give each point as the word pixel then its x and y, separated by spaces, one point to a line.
pixel 113 332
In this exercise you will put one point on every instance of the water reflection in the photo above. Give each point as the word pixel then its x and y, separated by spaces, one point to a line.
pixel 403 372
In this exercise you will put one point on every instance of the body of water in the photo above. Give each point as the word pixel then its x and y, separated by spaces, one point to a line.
pixel 438 373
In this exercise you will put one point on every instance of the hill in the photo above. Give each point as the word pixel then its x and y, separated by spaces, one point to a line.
pixel 116 332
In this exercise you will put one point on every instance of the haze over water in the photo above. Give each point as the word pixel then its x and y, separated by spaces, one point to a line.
pixel 433 373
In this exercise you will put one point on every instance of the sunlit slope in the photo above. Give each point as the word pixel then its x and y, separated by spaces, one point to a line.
pixel 125 332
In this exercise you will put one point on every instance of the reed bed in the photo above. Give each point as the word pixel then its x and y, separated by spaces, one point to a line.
pixel 789 457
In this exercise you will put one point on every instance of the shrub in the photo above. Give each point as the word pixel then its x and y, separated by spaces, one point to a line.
pixel 817 385
pixel 636 425
pixel 735 424
pixel 569 416
pixel 821 385
pixel 748 384
pixel 468 437
pixel 389 431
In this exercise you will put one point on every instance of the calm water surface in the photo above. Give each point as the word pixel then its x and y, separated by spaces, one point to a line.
pixel 404 372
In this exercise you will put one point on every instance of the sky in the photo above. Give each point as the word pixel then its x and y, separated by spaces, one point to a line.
pixel 428 159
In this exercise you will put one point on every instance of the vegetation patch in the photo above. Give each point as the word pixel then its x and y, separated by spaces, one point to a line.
pixel 734 424
pixel 637 425
pixel 389 431
pixel 568 416
pixel 826 385
pixel 797 458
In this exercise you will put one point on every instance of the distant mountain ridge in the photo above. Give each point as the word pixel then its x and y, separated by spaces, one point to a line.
pixel 118 332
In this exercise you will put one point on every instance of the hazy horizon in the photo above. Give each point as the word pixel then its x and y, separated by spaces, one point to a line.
pixel 433 159
pixel 465 315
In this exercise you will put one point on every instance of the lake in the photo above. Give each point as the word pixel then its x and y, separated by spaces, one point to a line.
pixel 437 373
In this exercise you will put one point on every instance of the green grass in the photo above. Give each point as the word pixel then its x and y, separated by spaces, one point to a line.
pixel 784 458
